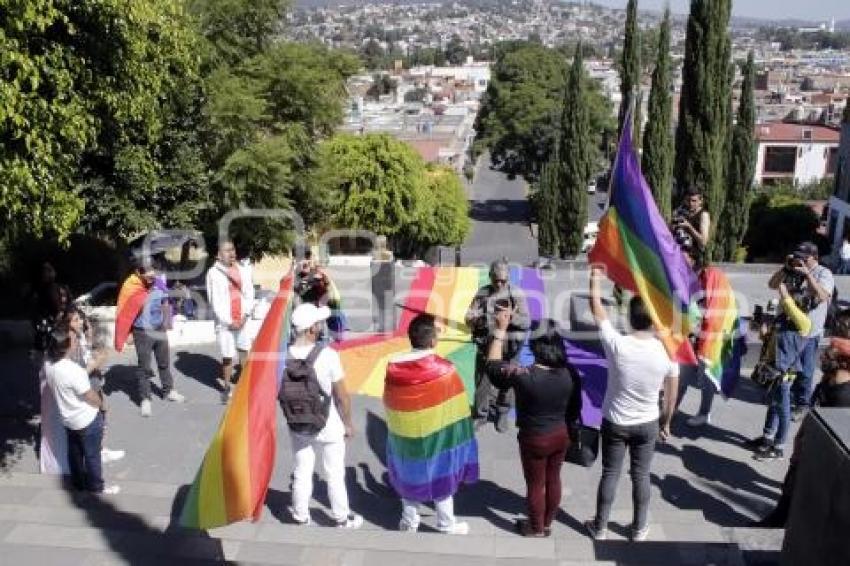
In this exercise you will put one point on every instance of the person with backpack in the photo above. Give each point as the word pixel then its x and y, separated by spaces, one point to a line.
pixel 230 292
pixel 317 409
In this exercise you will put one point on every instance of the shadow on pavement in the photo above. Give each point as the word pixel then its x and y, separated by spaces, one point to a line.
pixel 503 211
pixel 202 368
pixel 131 538
pixel 19 405
pixel 672 552
pixel 719 483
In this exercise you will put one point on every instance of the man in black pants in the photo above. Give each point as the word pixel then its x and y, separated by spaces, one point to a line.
pixel 638 368
pixel 480 318
pixel 150 338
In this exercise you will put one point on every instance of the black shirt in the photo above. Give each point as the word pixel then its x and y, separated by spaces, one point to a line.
pixel 833 394
pixel 546 399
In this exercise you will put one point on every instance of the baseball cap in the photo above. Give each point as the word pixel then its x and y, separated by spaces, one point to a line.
pixel 805 251
pixel 307 314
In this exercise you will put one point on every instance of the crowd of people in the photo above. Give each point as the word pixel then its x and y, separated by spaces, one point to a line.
pixel 431 446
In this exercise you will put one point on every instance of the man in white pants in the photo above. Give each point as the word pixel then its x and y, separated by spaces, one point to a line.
pixel 230 292
pixel 308 321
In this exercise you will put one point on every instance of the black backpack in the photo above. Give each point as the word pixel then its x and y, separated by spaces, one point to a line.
pixel 305 404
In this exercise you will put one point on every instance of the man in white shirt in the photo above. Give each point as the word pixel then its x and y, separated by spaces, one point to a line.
pixel 79 409
pixel 230 291
pixel 638 369
pixel 308 321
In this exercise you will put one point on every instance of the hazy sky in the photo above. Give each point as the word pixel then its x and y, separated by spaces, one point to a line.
pixel 773 9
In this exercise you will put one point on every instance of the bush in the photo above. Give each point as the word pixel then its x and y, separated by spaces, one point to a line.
pixel 777 223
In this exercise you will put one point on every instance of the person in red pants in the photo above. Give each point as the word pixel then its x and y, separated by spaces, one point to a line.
pixel 548 404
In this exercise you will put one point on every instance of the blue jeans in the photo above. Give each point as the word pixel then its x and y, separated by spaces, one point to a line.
pixel 695 375
pixel 84 455
pixel 778 419
pixel 801 389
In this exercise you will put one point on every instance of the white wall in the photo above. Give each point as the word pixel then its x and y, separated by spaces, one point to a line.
pixel 810 164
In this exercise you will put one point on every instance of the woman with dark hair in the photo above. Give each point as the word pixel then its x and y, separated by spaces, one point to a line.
pixel 832 391
pixel 548 404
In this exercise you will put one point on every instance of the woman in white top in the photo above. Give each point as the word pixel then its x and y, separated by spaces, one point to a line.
pixel 638 369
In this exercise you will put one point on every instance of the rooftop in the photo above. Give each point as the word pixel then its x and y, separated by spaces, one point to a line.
pixel 781 132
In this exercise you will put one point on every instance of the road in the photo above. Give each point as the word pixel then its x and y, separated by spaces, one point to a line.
pixel 500 214
pixel 500 218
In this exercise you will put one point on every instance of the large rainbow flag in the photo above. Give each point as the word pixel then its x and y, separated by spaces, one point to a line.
pixel 637 249
pixel 234 477
pixel 721 344
pixel 131 300
pixel 431 448
pixel 446 292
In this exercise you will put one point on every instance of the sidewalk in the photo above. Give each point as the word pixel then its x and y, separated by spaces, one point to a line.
pixel 705 489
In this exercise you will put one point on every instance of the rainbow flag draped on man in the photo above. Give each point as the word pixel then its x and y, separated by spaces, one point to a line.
pixel 431 448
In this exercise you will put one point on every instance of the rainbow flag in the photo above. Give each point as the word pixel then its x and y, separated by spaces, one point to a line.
pixel 636 247
pixel 721 344
pixel 431 447
pixel 234 477
pixel 131 300
pixel 446 292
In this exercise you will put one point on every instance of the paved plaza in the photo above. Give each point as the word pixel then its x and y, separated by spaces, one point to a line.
pixel 705 489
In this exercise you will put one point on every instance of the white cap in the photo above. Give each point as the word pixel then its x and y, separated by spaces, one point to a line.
pixel 306 315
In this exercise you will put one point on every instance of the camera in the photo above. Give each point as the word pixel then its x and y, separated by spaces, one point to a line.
pixel 680 233
pixel 796 283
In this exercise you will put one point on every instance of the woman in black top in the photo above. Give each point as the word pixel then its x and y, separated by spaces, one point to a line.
pixel 548 399
pixel 832 391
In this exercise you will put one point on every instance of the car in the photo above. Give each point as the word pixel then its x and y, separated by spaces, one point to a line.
pixel 591 187
pixel 591 230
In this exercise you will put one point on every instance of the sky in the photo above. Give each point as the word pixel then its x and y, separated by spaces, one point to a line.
pixel 773 9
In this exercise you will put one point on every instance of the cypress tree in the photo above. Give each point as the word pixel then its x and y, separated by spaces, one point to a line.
pixel 657 157
pixel 548 230
pixel 701 135
pixel 742 162
pixel 629 64
pixel 574 170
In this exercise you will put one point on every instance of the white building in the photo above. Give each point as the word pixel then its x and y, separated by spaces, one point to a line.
pixel 795 153
pixel 839 204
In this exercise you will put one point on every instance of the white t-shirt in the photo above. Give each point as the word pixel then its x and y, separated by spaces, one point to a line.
pixel 845 251
pixel 69 383
pixel 328 371
pixel 637 368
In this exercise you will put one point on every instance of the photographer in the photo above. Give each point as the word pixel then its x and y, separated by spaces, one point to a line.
pixel 692 220
pixel 480 318
pixel 805 288
pixel 811 285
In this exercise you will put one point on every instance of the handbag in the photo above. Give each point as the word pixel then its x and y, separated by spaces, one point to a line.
pixel 585 448
pixel 766 375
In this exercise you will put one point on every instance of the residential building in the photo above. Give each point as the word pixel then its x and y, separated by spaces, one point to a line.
pixel 797 154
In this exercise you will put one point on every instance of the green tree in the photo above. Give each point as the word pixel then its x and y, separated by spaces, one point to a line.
pixel 846 119
pixel 629 66
pixel 94 109
pixel 657 157
pixel 574 170
pixel 547 208
pixel 520 113
pixel 741 170
pixel 381 184
pixel 456 51
pixel 238 29
pixel 777 223
pixel 701 135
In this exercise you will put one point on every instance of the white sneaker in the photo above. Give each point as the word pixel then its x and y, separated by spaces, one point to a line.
pixel 175 397
pixel 640 535
pixel 146 407
pixel 594 532
pixel 297 520
pixel 456 528
pixel 699 420
pixel 353 521
pixel 406 527
pixel 111 490
pixel 107 455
